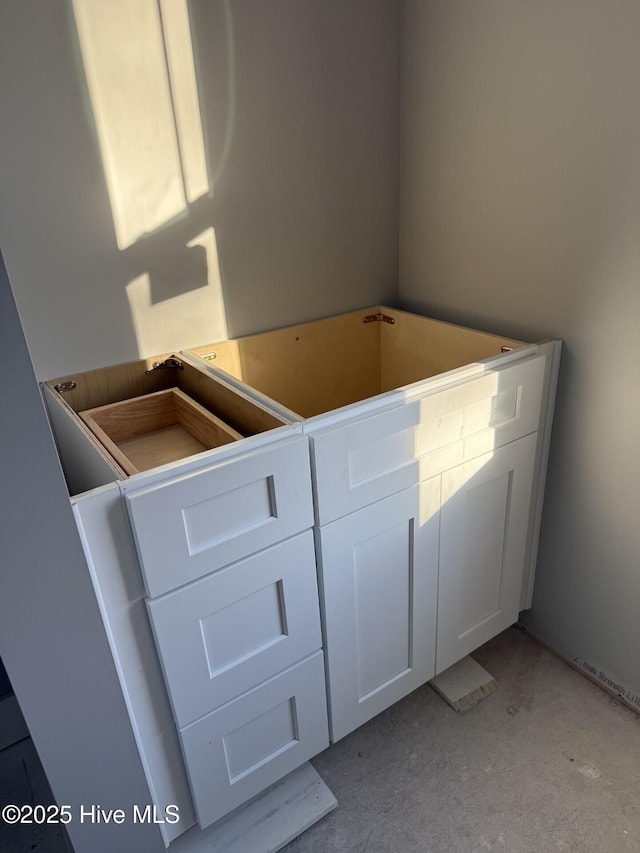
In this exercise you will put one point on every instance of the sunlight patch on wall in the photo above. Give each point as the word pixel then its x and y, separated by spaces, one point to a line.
pixel 140 74
pixel 182 74
pixel 185 320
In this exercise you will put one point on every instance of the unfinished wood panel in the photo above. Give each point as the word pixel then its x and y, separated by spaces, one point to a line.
pixel 111 384
pixel 154 429
pixel 244 415
pixel 415 348
pixel 310 368
pixel 320 366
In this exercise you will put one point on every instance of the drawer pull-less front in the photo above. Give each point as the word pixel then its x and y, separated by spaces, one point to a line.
pixel 225 633
pixel 237 751
pixel 194 524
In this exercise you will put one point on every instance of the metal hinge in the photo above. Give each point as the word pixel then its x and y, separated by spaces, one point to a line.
pixel 168 362
pixel 61 387
pixel 208 356
pixel 376 318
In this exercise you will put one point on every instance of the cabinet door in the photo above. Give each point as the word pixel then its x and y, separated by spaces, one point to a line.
pixel 239 750
pixel 483 531
pixel 379 580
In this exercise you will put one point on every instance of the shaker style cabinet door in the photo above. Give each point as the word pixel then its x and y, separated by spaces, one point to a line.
pixel 483 533
pixel 379 580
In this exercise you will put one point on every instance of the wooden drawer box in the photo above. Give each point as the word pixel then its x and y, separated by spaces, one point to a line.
pixel 157 428
pixel 115 422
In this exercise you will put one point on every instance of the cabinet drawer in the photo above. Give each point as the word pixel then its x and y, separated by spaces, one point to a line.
pixel 191 525
pixel 231 630
pixel 239 750
pixel 371 458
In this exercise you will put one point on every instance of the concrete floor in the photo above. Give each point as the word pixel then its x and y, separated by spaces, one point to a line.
pixel 549 762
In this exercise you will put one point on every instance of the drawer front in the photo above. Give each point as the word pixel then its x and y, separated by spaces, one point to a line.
pixel 191 525
pixel 247 745
pixel 231 630
pixel 371 458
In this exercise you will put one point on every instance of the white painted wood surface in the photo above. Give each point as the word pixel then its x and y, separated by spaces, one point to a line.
pixel 224 634
pixel 379 571
pixel 106 537
pixel 241 748
pixel 373 456
pixel 188 526
pixel 483 535
pixel 552 351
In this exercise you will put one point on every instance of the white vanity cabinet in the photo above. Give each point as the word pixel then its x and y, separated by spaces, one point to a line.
pixel 429 445
pixel 358 496
pixel 205 571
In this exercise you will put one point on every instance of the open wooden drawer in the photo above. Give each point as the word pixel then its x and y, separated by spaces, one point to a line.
pixel 118 421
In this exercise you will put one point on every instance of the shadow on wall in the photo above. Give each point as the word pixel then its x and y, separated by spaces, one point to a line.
pixel 140 71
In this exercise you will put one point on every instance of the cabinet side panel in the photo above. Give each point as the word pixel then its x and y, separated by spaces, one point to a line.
pixel 106 538
pixel 84 463
pixel 552 351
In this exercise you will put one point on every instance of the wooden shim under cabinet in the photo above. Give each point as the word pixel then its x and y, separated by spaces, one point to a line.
pixel 144 432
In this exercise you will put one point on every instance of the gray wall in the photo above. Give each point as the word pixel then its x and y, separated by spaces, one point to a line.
pixel 520 213
pixel 300 114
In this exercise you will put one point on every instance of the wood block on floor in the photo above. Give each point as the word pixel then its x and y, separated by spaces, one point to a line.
pixel 268 822
pixel 464 684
